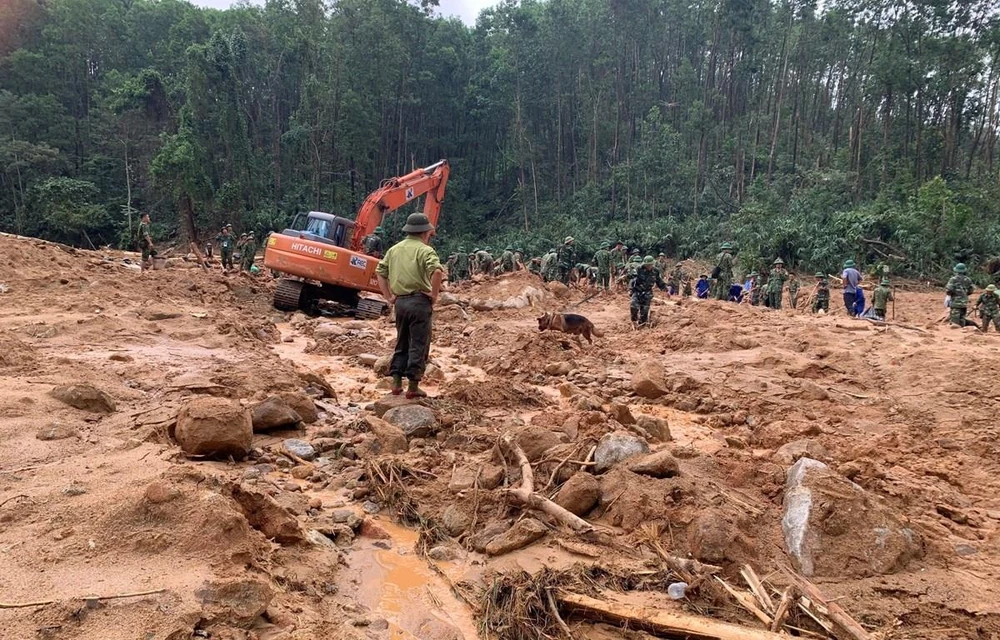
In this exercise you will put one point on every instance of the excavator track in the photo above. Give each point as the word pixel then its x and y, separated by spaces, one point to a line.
pixel 288 295
pixel 370 309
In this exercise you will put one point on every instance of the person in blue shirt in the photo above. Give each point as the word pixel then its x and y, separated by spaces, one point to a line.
pixel 850 278
pixel 702 286
pixel 859 301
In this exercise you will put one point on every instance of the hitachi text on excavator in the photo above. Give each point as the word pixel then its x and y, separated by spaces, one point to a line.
pixel 322 257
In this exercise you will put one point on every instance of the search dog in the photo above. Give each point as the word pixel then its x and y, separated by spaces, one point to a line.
pixel 571 323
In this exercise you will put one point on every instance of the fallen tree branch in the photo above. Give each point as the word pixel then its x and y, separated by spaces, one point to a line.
pixel 20 495
pixel 661 621
pixel 525 493
pixel 42 603
pixel 834 611
pixel 894 252
pixel 554 610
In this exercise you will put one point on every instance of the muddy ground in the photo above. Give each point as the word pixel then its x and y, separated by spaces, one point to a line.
pixel 413 538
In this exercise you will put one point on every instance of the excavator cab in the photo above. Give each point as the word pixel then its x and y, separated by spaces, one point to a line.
pixel 321 227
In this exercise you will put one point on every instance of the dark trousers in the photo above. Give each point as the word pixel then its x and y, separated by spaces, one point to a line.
pixel 413 336
pixel 849 300
pixel 227 258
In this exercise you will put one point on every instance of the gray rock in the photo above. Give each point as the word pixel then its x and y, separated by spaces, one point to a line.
pixel 368 359
pixel 656 427
pixel 300 448
pixel 617 446
pixel 579 494
pixel 370 507
pixel 273 413
pixel 388 437
pixel 442 553
pixel 465 477
pixel 455 521
pixel 381 365
pixel 833 527
pixel 483 536
pixel 523 533
pixel 416 421
pixel 84 397
pixel 535 441
pixel 658 465
pixel 57 431
pixel 301 404
pixel 805 448
pixel 329 330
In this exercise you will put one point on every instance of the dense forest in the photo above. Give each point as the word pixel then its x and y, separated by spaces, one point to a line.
pixel 851 128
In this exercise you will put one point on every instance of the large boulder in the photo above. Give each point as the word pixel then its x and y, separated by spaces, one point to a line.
pixel 389 401
pixel 656 427
pixel 381 365
pixel 649 380
pixel 388 437
pixel 535 440
pixel 617 446
pixel 833 527
pixel 209 426
pixel 301 404
pixel 658 465
pixel 523 533
pixel 273 413
pixel 84 397
pixel 484 476
pixel 416 421
pixel 267 516
pixel 579 494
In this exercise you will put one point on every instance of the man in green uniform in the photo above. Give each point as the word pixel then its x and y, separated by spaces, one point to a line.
pixel 959 288
pixel 793 292
pixel 687 286
pixel 145 243
pixel 374 244
pixel 661 266
pixel 226 242
pixel 821 294
pixel 989 308
pixel 409 277
pixel 549 266
pixel 461 266
pixel 676 277
pixel 754 290
pixel 535 266
pixel 641 288
pixel 880 298
pixel 602 258
pixel 776 283
pixel 485 261
pixel 618 258
pixel 565 259
pixel 474 261
pixel 507 260
pixel 724 267
pixel 249 252
pixel 518 259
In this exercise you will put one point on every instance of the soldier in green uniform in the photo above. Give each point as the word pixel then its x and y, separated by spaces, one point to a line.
pixel 661 266
pixel 881 297
pixel 989 308
pixel 687 286
pixel 518 259
pixel 618 259
pixel 564 259
pixel 776 283
pixel 641 288
pixel 225 241
pixel 485 261
pixel 959 288
pixel 755 288
pixel 374 244
pixel 249 252
pixel 724 267
pixel 461 266
pixel 535 266
pixel 793 292
pixel 821 294
pixel 145 241
pixel 602 258
pixel 474 261
pixel 507 260
pixel 676 277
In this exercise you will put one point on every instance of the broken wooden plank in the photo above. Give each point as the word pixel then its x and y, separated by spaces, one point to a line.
pixel 757 588
pixel 657 620
pixel 746 601
pixel 784 605
pixel 833 610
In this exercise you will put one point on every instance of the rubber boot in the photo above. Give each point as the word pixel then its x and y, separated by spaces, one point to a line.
pixel 397 385
pixel 413 390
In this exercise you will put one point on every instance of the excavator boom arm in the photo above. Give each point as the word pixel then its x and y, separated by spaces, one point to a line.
pixel 396 192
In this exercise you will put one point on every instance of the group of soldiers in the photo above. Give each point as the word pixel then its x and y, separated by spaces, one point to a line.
pixel 462 266
pixel 229 245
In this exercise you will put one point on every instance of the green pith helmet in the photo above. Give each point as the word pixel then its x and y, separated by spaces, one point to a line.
pixel 885 280
pixel 461 249
pixel 519 250
pixel 661 255
pixel 726 246
pixel 961 268
pixel 635 252
pixel 379 230
pixel 568 240
pixel 752 274
pixel 489 249
pixel 417 223
pixel 605 245
pixel 849 264
pixel 991 288
pixel 778 261
pixel 509 248
pixel 648 260
pixel 635 258
pixel 679 264
pixel 820 274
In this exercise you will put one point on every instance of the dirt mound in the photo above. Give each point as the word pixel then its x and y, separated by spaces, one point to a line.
pixel 16 355
pixel 495 392
pixel 350 344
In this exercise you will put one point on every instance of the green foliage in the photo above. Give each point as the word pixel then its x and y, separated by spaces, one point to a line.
pixel 66 209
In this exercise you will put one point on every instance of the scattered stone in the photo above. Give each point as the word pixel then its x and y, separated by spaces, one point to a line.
pixel 389 401
pixel 455 521
pixel 208 426
pixel 568 390
pixel 481 538
pixel 535 441
pixel 658 465
pixel 579 494
pixel 341 516
pixel 382 365
pixel 320 539
pixel 806 448
pixel 75 490
pixel 388 437
pixel 238 602
pixel 299 448
pixel 84 397
pixel 523 533
pixel 368 359
pixel 442 553
pixel 341 534
pixel 710 537
pixel 370 507
pixel 558 368
pixel 964 550
pixel 621 413
pixel 329 330
pixel 810 391
pixel 155 314
pixel 267 516
pixel 301 404
pixel 464 477
pixel 315 503
pixel 57 431
pixel 372 530
pixel 273 413
pixel 159 492
pixel 433 373
pixel 301 472
pixel 833 527
pixel 649 380
pixel 416 421
pixel 558 289
pixel 617 446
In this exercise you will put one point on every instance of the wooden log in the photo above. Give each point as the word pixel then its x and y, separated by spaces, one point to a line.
pixel 833 610
pixel 757 588
pixel 673 624
pixel 525 493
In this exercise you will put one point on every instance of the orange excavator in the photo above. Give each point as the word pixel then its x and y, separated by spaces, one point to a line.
pixel 322 258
